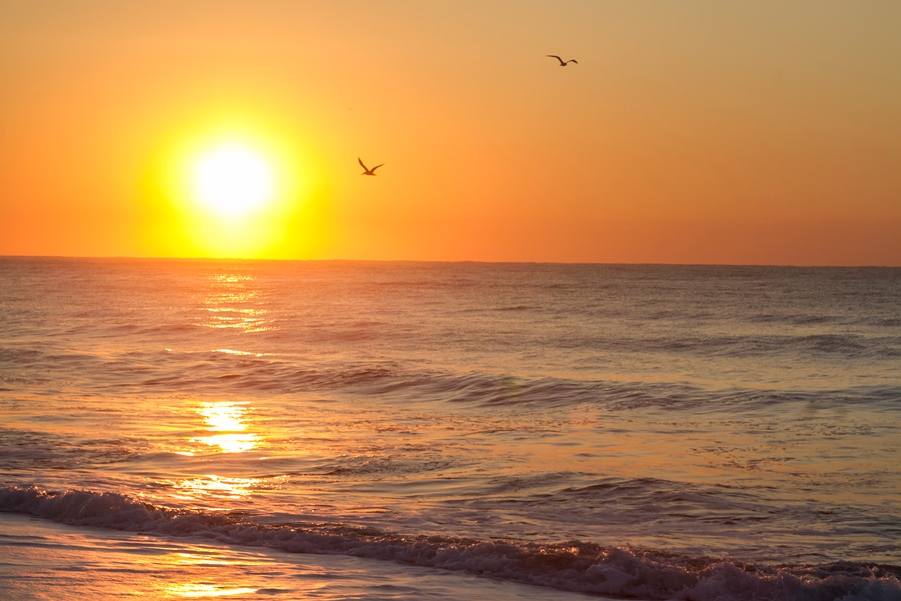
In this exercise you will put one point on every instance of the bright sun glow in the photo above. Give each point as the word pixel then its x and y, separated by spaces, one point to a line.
pixel 233 180
pixel 236 189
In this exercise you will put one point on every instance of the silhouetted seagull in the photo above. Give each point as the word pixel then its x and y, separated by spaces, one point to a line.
pixel 367 170
pixel 563 62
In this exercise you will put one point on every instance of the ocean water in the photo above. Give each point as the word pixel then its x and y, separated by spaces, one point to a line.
pixel 361 430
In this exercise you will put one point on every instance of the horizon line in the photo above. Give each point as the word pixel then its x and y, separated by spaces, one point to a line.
pixel 450 261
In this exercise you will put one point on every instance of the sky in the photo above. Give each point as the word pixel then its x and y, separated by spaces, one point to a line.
pixel 745 132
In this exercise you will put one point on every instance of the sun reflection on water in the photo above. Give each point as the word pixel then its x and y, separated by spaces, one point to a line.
pixel 215 487
pixel 235 303
pixel 227 421
pixel 198 589
pixel 228 430
pixel 203 589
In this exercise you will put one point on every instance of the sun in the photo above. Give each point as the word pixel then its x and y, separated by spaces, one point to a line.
pixel 233 179
pixel 239 187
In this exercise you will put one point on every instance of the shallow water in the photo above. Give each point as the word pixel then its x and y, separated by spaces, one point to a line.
pixel 646 431
pixel 41 560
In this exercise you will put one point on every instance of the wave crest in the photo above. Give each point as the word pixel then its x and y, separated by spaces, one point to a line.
pixel 574 566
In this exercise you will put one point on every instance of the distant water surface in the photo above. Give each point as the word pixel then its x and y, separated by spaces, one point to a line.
pixel 654 432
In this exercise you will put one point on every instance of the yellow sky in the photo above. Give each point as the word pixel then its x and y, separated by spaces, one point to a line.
pixel 690 132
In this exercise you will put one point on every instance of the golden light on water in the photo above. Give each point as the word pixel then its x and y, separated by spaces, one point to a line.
pixel 204 572
pixel 198 589
pixel 233 303
pixel 209 487
pixel 227 422
pixel 232 443
pixel 228 429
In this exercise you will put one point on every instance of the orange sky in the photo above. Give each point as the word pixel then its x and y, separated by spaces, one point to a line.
pixel 690 132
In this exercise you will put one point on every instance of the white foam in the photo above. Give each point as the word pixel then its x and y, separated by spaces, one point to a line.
pixel 573 566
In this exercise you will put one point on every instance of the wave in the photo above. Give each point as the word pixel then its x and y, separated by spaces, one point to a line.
pixel 576 566
pixel 229 371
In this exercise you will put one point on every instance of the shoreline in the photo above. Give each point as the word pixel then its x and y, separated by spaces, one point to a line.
pixel 42 559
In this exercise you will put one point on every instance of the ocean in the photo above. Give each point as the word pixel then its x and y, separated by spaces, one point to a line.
pixel 406 430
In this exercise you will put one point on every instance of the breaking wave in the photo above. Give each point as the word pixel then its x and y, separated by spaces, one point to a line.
pixel 577 566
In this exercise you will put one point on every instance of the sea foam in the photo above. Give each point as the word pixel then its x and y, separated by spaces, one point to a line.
pixel 572 566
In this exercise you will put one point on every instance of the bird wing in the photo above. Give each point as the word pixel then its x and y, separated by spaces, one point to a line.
pixel 376 167
pixel 361 164
pixel 555 56
pixel 572 60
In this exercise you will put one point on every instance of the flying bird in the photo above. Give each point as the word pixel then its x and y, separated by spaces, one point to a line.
pixel 563 63
pixel 367 170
